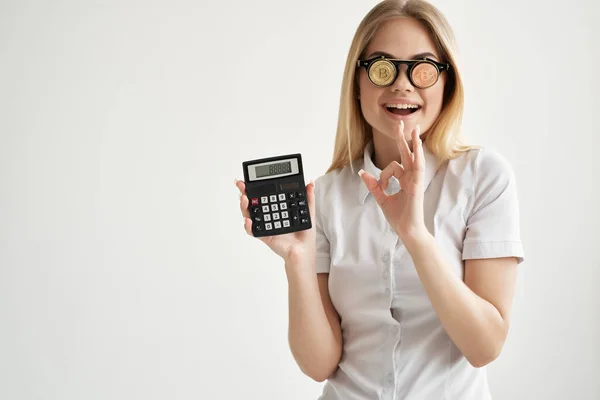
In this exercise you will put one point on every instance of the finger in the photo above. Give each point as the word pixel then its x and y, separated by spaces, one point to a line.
pixel 405 153
pixel 393 169
pixel 241 186
pixel 248 226
pixel 374 187
pixel 244 206
pixel 419 157
pixel 310 197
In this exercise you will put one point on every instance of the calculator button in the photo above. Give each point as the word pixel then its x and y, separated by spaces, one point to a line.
pixel 258 227
pixel 286 223
pixel 267 217
pixel 257 218
pixel 304 220
pixel 268 226
pixel 265 209
pixel 255 210
pixel 303 212
pixel 295 218
pixel 277 224
pixel 275 216
pixel 291 196
pixel 300 195
pixel 254 201
pixel 264 200
pixel 283 206
pixel 273 198
pixel 274 207
pixel 281 196
pixel 293 204
pixel 302 203
pixel 285 214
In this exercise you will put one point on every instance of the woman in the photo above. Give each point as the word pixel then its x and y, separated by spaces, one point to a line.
pixel 403 288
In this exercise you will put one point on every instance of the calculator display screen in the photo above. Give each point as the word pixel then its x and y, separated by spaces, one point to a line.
pixel 273 169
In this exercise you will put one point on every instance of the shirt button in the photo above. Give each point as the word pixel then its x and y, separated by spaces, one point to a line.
pixel 389 378
pixel 386 257
pixel 386 274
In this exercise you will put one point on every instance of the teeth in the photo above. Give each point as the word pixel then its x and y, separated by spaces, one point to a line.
pixel 402 106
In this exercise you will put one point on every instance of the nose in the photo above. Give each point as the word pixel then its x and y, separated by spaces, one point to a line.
pixel 402 83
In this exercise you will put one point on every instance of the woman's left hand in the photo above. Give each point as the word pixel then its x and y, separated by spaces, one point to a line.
pixel 403 210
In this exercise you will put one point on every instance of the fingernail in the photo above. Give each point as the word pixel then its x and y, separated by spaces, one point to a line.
pixel 235 181
pixel 361 172
pixel 418 130
pixel 401 124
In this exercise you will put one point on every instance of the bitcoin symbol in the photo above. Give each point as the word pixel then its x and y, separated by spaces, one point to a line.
pixel 382 73
pixel 424 75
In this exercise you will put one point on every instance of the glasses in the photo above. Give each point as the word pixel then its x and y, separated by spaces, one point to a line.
pixel 422 73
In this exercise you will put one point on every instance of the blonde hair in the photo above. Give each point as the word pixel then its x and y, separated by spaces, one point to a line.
pixel 443 139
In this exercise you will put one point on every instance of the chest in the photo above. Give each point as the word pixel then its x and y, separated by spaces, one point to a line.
pixel 370 266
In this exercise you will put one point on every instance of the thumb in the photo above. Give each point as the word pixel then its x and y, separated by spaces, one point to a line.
pixel 310 197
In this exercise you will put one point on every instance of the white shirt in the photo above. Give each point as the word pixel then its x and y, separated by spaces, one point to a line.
pixel 394 346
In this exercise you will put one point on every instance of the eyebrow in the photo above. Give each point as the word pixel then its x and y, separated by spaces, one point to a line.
pixel 388 55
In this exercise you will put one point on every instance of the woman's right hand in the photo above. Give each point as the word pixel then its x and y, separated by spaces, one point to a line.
pixel 288 246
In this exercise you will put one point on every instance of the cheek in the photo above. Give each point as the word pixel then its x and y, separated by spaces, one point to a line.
pixel 369 96
pixel 434 99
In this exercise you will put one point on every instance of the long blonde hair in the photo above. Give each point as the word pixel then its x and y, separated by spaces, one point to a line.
pixel 353 132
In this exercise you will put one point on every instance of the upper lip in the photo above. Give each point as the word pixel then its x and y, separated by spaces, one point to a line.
pixel 400 101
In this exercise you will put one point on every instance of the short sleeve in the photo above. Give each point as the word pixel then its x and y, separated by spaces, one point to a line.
pixel 493 226
pixel 323 257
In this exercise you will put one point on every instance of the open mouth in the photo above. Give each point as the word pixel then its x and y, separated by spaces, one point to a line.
pixel 402 109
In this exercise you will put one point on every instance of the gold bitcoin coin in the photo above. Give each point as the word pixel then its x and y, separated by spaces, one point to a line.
pixel 382 72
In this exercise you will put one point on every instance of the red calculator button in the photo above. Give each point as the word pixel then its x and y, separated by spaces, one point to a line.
pixel 255 201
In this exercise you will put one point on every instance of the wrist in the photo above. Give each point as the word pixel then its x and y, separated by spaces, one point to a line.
pixel 418 237
pixel 299 259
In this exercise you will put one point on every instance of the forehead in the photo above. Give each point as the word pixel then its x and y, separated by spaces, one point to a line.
pixel 402 37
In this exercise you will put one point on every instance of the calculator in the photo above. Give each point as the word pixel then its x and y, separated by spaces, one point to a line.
pixel 277 195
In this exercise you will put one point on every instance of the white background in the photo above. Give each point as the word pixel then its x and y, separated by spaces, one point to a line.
pixel 125 272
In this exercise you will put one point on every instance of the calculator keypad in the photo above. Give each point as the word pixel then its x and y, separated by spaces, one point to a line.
pixel 277 211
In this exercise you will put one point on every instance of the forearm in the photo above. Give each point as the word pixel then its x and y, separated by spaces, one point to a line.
pixel 474 324
pixel 315 344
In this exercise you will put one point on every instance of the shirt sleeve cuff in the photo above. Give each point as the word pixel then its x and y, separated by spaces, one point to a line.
pixel 493 250
pixel 323 264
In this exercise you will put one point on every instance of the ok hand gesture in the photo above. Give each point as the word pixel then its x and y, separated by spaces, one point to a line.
pixel 403 210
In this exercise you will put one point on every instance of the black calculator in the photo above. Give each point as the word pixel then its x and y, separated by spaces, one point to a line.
pixel 277 195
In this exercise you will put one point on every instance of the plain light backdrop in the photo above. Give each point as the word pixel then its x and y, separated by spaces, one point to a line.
pixel 125 272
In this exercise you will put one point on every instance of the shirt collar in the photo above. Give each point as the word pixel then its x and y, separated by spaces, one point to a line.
pixel 431 167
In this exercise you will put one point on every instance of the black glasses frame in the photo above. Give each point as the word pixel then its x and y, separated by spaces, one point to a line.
pixel 440 67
